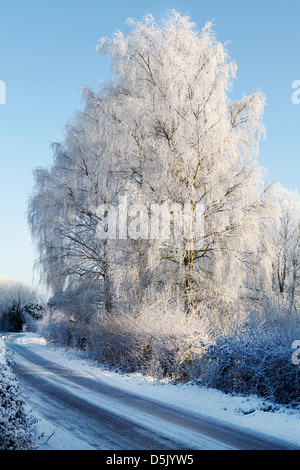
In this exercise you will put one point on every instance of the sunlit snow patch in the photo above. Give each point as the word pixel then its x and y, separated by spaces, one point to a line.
pixel 31 339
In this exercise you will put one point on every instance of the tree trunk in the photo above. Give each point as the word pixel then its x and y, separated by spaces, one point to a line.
pixel 189 283
pixel 107 281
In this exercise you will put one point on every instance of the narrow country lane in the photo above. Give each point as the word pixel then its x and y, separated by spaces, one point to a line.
pixel 100 416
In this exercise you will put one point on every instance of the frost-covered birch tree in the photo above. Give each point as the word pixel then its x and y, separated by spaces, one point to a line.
pixel 186 142
pixel 63 211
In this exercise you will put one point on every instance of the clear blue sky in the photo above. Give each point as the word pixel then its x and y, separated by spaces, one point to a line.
pixel 47 52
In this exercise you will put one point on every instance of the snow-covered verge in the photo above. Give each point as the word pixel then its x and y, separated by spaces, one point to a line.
pixel 2 350
pixel 245 413
pixel 17 426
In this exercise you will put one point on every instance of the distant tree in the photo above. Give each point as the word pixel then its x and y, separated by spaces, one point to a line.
pixel 34 309
pixel 17 300
pixel 286 237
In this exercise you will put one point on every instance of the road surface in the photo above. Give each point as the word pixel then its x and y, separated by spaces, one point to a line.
pixel 95 415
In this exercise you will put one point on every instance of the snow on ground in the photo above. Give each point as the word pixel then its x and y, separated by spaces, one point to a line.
pixel 2 350
pixel 246 413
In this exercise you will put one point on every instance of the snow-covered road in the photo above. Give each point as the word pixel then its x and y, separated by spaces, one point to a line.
pixel 85 407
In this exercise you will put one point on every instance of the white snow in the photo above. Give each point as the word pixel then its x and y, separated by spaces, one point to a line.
pixel 31 338
pixel 2 350
pixel 246 413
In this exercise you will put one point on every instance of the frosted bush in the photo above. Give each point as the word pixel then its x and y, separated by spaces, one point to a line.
pixel 257 359
pixel 17 428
